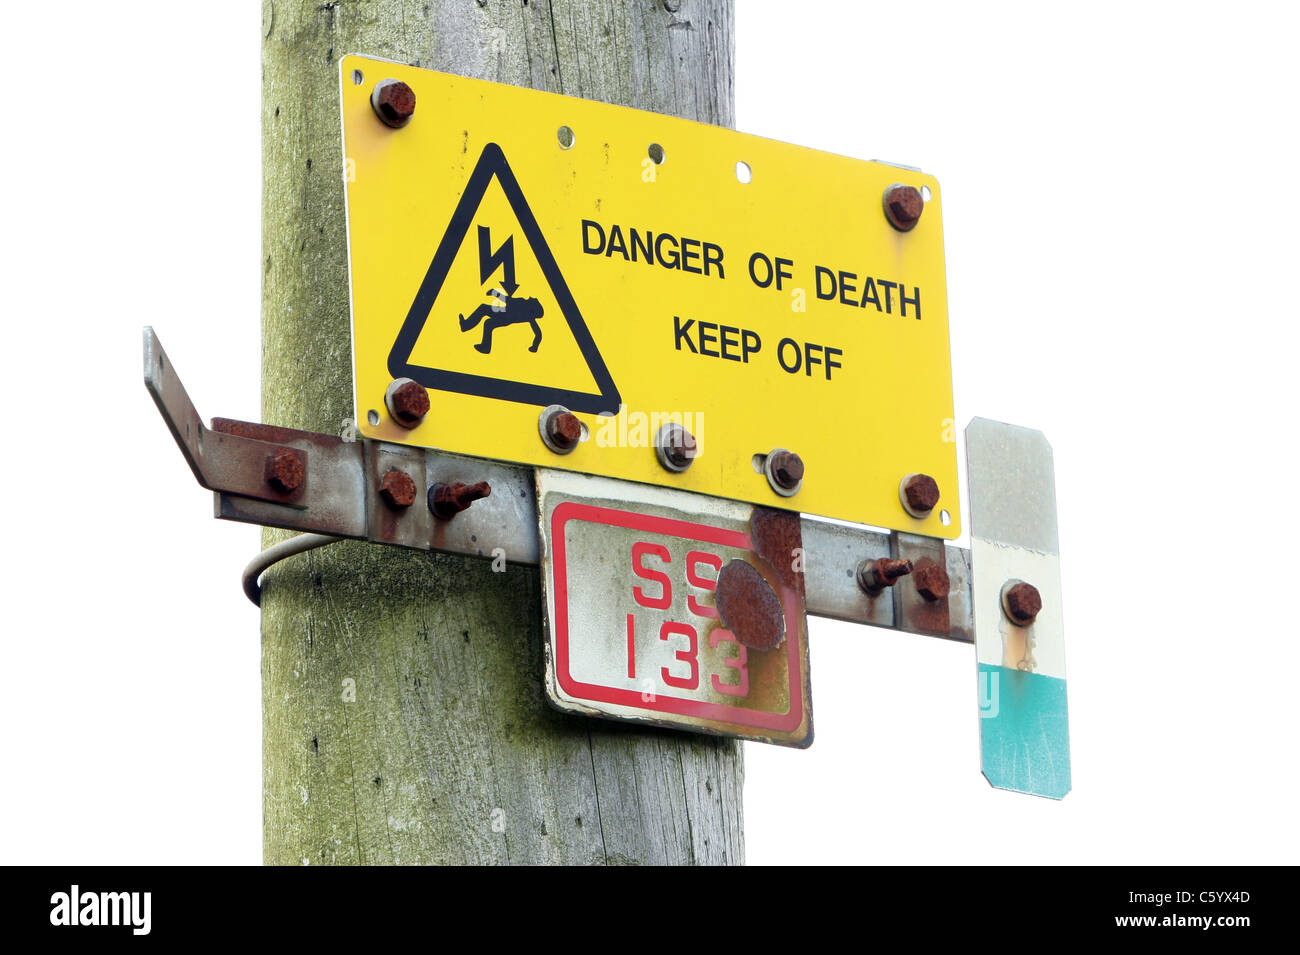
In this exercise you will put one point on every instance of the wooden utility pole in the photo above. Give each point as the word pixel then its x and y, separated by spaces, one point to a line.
pixel 402 705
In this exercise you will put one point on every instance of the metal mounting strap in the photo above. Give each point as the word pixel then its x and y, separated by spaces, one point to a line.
pixel 340 498
pixel 220 462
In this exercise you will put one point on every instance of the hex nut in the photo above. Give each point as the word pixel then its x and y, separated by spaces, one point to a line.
pixel 931 580
pixel 393 102
pixel 397 489
pixel 785 471
pixel 560 429
pixel 284 471
pixel 407 402
pixel 675 447
pixel 903 206
pixel 1021 602
pixel 919 493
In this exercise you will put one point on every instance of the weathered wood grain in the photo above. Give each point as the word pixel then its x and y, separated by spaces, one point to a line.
pixel 448 753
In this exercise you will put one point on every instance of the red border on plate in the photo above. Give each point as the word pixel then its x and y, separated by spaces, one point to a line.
pixel 591 513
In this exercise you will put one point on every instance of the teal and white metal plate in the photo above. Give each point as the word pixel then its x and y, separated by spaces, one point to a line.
pixel 1024 724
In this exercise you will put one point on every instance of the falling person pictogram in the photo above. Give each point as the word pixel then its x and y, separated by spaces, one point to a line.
pixel 506 311
pixel 499 306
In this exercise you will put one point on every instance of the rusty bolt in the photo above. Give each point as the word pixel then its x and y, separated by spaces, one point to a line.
pixel 875 575
pixel 931 579
pixel 561 429
pixel 903 206
pixel 920 493
pixel 1021 602
pixel 407 401
pixel 675 447
pixel 448 500
pixel 393 102
pixel 284 471
pixel 786 469
pixel 397 489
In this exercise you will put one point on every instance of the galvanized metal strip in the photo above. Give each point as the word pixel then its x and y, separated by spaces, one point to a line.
pixel 410 526
pixel 923 599
pixel 832 554
pixel 339 497
pixel 334 500
pixel 502 524
pixel 1024 725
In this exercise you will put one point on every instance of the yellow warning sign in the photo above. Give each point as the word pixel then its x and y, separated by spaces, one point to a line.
pixel 513 250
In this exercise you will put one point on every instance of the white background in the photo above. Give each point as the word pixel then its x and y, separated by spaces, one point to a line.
pixel 1120 210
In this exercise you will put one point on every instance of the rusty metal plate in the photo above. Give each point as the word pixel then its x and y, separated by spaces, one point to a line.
pixel 673 609
pixel 511 250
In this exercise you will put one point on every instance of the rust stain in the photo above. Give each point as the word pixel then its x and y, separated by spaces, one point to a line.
pixel 272 433
pixel 931 615
pixel 777 535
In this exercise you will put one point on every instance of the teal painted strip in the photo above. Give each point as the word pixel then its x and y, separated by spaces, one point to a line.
pixel 1024 731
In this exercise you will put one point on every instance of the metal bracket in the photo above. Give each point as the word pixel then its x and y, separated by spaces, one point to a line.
pixel 951 592
pixel 225 462
pixel 340 497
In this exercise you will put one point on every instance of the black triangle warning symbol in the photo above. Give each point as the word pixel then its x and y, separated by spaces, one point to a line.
pixel 492 165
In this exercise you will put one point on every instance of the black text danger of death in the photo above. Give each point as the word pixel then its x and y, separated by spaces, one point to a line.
pixel 668 250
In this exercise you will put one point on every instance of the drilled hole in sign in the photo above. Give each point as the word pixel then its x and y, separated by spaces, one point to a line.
pixel 373 417
pixel 743 172
pixel 565 135
pixel 926 193
pixel 759 462
pixel 945 518
pixel 656 153
pixel 358 77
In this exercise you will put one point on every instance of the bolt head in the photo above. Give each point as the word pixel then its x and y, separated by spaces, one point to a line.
pixel 564 429
pixel 920 493
pixel 408 401
pixel 393 102
pixel 284 471
pixel 787 469
pixel 903 206
pixel 1022 603
pixel 678 447
pixel 931 579
pixel 397 489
